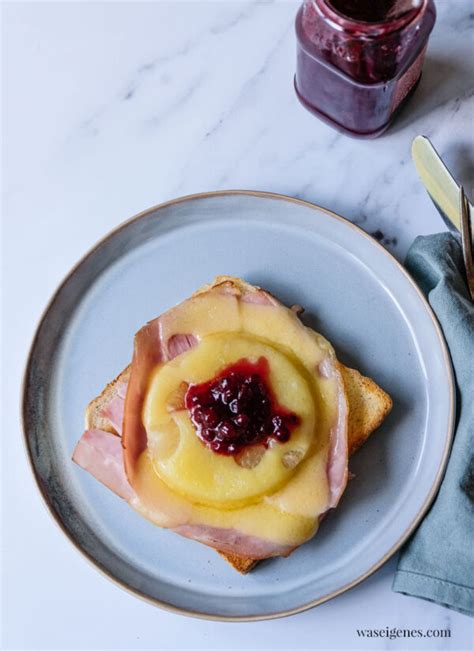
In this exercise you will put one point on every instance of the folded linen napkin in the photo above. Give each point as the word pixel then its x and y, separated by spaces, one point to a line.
pixel 437 563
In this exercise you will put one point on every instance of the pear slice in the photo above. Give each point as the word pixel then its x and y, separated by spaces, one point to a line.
pixel 194 470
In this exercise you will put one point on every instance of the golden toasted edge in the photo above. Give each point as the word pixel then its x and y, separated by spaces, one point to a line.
pixel 369 405
pixel 239 563
pixel 93 418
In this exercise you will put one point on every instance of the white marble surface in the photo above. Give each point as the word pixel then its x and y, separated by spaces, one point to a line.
pixel 111 107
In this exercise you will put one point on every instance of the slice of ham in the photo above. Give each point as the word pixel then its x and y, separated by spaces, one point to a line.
pixel 113 411
pixel 231 541
pixel 260 297
pixel 152 347
pixel 338 447
pixel 178 344
pixel 112 460
pixel 101 454
pixel 148 352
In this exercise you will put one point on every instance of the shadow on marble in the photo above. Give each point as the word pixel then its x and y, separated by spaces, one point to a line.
pixel 442 81
pixel 459 158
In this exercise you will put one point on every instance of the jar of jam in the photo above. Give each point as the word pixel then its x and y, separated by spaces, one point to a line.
pixel 358 61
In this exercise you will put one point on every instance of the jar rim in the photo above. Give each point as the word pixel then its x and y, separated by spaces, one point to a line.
pixel 366 28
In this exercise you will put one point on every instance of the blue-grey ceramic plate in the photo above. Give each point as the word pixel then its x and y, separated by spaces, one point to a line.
pixel 354 292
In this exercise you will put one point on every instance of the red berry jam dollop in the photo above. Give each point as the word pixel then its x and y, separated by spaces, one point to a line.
pixel 237 409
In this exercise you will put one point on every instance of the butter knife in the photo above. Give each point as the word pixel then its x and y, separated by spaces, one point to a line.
pixel 439 183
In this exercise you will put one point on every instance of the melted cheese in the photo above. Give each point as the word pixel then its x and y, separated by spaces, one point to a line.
pixel 159 504
pixel 179 481
pixel 193 469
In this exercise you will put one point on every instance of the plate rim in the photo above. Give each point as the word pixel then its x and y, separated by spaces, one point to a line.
pixel 47 504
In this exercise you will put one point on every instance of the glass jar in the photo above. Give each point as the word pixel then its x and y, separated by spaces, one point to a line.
pixel 358 61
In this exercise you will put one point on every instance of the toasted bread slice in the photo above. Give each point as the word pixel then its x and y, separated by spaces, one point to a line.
pixel 368 407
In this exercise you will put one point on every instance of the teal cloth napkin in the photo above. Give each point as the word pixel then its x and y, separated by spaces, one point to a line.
pixel 438 562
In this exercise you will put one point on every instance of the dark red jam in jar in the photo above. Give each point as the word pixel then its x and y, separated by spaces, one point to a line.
pixel 237 409
pixel 358 61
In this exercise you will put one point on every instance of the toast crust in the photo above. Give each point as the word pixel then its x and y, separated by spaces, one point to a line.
pixel 369 405
pixel 93 418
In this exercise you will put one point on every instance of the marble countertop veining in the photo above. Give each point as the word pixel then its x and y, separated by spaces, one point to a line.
pixel 111 107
